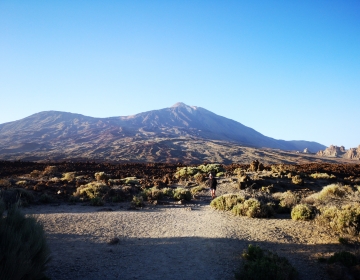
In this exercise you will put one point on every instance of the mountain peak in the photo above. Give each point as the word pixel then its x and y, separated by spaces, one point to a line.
pixel 183 105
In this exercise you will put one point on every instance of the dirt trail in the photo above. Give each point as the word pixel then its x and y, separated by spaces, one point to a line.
pixel 189 241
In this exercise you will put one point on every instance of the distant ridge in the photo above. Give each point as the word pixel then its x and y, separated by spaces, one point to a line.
pixel 54 134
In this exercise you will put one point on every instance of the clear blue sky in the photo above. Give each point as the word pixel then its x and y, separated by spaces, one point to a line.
pixel 288 69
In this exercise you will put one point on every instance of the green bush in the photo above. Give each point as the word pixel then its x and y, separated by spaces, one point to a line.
pixel 96 201
pixel 301 212
pixel 214 168
pixel 181 193
pixel 226 202
pixel 151 194
pixel 23 249
pixel 169 192
pixel 91 190
pixel 186 172
pixel 261 264
pixel 137 201
pixel 253 208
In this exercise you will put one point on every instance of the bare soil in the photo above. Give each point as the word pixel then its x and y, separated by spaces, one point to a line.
pixel 173 241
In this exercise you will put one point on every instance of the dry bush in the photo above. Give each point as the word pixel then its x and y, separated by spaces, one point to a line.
pixel 297 180
pixel 333 191
pixel 130 181
pixel 302 212
pixel 288 200
pixel 23 248
pixel 50 170
pixel 100 176
pixel 345 219
pixel 226 202
pixel 322 176
pixel 68 176
pixel 5 183
pixel 22 183
pixel 197 189
pixel 35 174
pixel 200 178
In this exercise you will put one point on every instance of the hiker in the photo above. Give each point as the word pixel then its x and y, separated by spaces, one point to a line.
pixel 212 184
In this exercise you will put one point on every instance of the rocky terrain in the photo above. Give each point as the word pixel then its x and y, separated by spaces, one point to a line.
pixel 180 133
pixel 340 152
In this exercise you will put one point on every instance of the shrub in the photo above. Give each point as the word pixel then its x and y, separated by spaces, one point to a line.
pixel 5 183
pixel 253 208
pixel 137 201
pixel 322 176
pixel 301 212
pixel 45 198
pixel 346 258
pixel 23 249
pixel 220 174
pixel 99 176
pixel 50 170
pixel 130 180
pixel 333 190
pixel 226 202
pixel 297 180
pixel 346 219
pixel 264 264
pixel 214 168
pixel 287 201
pixel 151 194
pixel 69 176
pixel 185 172
pixel 181 193
pixel 21 183
pixel 91 190
pixel 197 189
pixel 35 173
pixel 169 192
pixel 200 178
pixel 96 201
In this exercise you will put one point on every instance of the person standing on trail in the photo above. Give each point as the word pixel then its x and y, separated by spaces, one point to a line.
pixel 212 184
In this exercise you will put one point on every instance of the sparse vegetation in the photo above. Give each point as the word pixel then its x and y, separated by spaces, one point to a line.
pixel 137 201
pixel 263 264
pixel 23 248
pixel 287 201
pixel 345 219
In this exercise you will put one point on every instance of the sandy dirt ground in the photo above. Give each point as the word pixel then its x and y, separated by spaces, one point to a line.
pixel 190 241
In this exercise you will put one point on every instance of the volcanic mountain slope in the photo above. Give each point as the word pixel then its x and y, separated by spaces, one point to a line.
pixel 179 133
